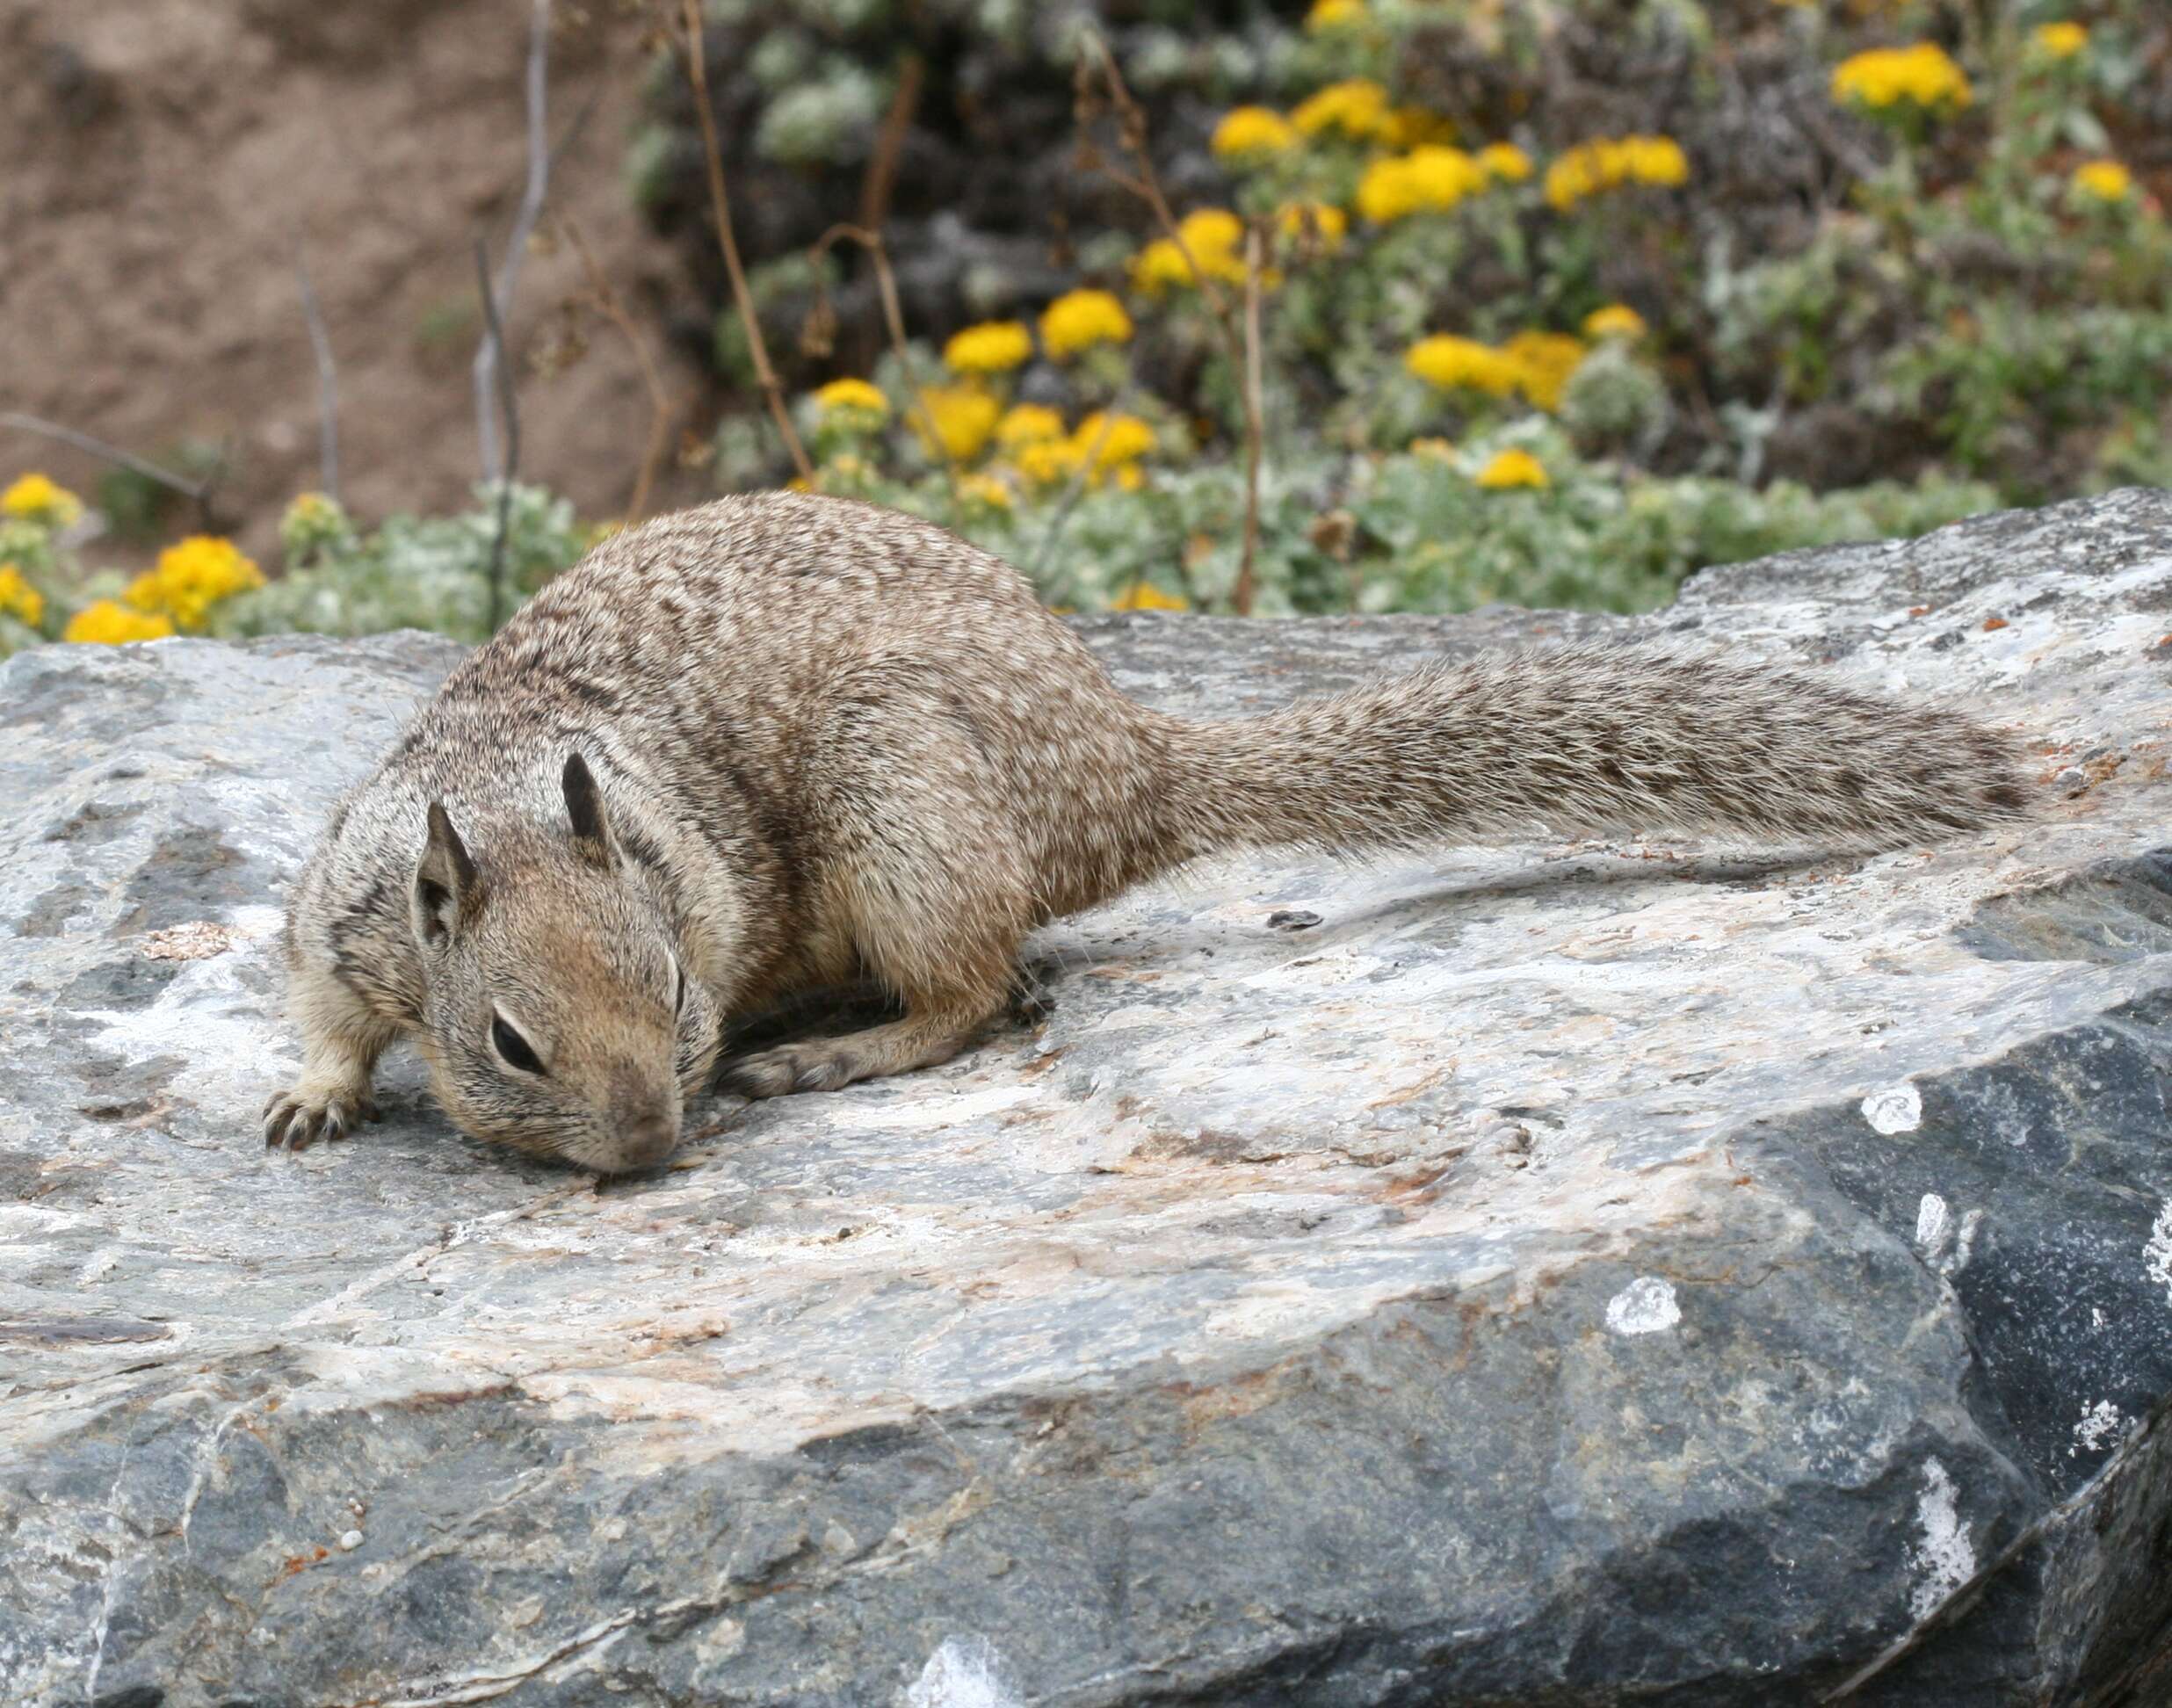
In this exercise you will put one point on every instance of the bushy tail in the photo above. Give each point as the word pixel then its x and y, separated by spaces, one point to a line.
pixel 1587 739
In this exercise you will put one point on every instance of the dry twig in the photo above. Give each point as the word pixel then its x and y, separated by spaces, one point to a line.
pixel 893 319
pixel 1240 343
pixel 689 44
pixel 499 296
pixel 197 492
pixel 612 307
pixel 889 144
pixel 494 337
pixel 328 379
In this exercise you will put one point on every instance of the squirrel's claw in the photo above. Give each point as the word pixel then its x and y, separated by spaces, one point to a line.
pixel 292 1121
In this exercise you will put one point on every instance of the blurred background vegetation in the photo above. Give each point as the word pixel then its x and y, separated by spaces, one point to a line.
pixel 1546 301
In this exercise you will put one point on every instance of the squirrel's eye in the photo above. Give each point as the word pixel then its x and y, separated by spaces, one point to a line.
pixel 512 1046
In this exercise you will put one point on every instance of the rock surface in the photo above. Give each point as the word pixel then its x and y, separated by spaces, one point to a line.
pixel 1552 1275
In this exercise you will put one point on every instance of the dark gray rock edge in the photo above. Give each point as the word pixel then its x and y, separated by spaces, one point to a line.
pixel 1563 1275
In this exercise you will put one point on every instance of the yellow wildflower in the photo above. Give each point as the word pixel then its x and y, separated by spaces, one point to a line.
pixel 1433 449
pixel 1544 362
pixel 1247 131
pixel 1608 162
pixel 1453 363
pixel 1129 439
pixel 2060 42
pixel 851 401
pixel 1028 424
pixel 799 483
pixel 2102 180
pixel 1212 235
pixel 1513 467
pixel 1427 180
pixel 1504 163
pixel 1046 461
pixel 189 578
pixel 1331 15
pixel 19 598
pixel 1077 320
pixel 40 499
pixel 1144 595
pixel 991 347
pixel 1312 222
pixel 1616 320
pixel 985 489
pixel 107 624
pixel 963 417
pixel 1356 107
pixel 1922 75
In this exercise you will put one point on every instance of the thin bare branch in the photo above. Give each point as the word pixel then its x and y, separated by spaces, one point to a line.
pixel 893 319
pixel 493 334
pixel 690 46
pixel 328 379
pixel 197 492
pixel 889 144
pixel 489 353
pixel 610 305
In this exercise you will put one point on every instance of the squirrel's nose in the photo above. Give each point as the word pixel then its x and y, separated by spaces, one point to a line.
pixel 647 1137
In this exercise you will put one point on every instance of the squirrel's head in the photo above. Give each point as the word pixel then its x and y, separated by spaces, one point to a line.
pixel 559 1019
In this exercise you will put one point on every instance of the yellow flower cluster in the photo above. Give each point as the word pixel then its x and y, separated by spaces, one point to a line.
pixel 104 622
pixel 1608 162
pixel 1028 424
pixel 991 347
pixel 1211 235
pixel 2062 40
pixel 1922 75
pixel 963 418
pixel 1250 132
pixel 1616 320
pixel 190 577
pixel 1408 127
pixel 1512 467
pixel 1504 163
pixel 39 499
pixel 1356 107
pixel 1302 223
pixel 1078 320
pixel 1537 363
pixel 1144 595
pixel 1114 443
pixel 1455 364
pixel 1427 180
pixel 984 490
pixel 1330 15
pixel 2103 181
pixel 851 401
pixel 19 598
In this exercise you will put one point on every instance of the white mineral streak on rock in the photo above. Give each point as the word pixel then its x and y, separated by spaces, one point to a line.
pixel 1934 1227
pixel 963 1672
pixel 1945 1558
pixel 2157 1254
pixel 1645 1306
pixel 1897 1109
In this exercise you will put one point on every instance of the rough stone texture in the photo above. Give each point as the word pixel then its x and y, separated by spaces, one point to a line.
pixel 1557 1275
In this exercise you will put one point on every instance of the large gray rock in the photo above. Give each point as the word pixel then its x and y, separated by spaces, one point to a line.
pixel 1559 1275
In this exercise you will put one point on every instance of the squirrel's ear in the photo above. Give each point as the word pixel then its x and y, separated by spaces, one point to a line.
pixel 585 806
pixel 447 887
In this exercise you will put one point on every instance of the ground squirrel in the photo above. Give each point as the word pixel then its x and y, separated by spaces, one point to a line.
pixel 782 741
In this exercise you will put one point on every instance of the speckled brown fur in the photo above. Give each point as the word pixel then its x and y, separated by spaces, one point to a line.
pixel 829 742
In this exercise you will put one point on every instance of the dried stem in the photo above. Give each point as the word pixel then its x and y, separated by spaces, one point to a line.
pixel 490 354
pixel 328 379
pixel 1240 341
pixel 612 307
pixel 890 143
pixel 720 202
pixel 493 334
pixel 197 492
pixel 893 319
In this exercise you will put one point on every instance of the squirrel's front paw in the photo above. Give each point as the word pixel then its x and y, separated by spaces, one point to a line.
pixel 298 1118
